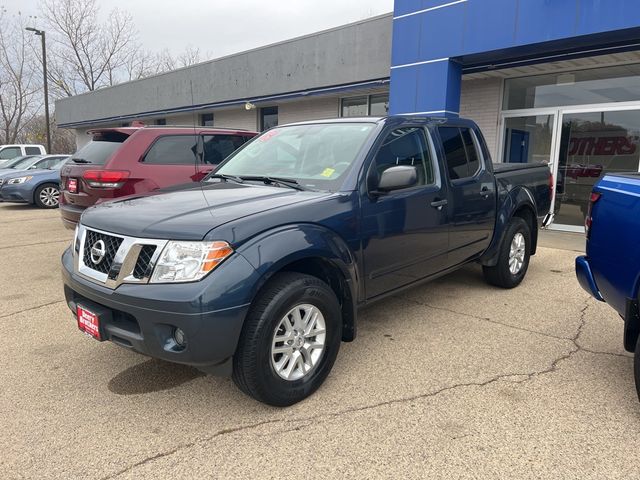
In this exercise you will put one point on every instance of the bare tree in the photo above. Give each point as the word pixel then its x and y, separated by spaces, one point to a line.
pixel 62 140
pixel 87 53
pixel 19 84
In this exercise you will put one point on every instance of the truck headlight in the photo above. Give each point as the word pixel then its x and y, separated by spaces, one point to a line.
pixel 189 261
pixel 13 181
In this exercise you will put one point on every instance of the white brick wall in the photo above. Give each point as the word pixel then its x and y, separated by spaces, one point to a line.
pixel 312 109
pixel 480 101
pixel 236 118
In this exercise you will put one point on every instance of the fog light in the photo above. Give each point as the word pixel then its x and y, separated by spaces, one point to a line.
pixel 180 337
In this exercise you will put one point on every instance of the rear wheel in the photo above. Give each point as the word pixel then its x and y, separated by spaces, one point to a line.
pixel 290 340
pixel 47 195
pixel 513 259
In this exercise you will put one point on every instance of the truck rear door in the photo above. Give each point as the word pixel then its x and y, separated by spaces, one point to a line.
pixel 404 232
pixel 472 193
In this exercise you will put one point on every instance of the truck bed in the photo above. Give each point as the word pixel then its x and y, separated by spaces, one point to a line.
pixel 532 176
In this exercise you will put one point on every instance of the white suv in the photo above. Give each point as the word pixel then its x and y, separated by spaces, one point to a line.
pixel 7 152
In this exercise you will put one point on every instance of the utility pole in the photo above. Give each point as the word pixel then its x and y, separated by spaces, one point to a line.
pixel 42 35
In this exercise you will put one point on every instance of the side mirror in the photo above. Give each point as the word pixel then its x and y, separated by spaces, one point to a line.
pixel 397 178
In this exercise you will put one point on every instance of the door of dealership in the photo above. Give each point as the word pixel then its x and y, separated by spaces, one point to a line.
pixel 580 141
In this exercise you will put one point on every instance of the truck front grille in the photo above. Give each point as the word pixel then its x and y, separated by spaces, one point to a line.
pixel 144 261
pixel 112 260
pixel 99 242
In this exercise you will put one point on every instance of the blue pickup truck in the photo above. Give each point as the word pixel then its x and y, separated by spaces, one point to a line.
pixel 259 271
pixel 610 271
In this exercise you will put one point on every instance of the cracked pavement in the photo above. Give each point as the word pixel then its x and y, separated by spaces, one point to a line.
pixel 452 379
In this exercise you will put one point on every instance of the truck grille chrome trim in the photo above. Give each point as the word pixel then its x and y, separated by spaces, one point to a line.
pixel 111 260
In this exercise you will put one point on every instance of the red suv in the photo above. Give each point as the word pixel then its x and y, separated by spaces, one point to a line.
pixel 132 160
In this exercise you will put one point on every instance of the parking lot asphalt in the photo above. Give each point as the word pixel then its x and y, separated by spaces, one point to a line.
pixel 452 379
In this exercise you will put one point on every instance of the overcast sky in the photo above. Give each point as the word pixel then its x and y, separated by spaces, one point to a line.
pixel 221 27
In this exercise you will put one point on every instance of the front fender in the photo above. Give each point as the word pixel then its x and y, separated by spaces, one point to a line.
pixel 271 251
pixel 517 198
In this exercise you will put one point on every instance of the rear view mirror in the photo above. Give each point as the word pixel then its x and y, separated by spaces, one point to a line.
pixel 396 178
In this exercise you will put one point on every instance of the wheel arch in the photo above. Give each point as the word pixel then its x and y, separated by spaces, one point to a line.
pixel 312 250
pixel 40 184
pixel 517 203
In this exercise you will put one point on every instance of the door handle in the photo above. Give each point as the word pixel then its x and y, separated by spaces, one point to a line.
pixel 438 204
pixel 484 192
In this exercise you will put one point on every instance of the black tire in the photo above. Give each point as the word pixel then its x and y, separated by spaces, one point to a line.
pixel 253 371
pixel 37 194
pixel 500 275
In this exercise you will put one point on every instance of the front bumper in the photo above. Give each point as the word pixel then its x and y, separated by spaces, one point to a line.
pixel 143 318
pixel 18 193
pixel 586 279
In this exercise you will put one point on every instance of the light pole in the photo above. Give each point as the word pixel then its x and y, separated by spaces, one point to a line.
pixel 42 34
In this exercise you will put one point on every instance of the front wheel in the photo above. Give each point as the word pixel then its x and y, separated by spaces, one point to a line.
pixel 513 259
pixel 47 196
pixel 290 340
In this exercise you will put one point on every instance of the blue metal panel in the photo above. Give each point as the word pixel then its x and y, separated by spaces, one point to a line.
pixel 402 97
pixel 492 32
pixel 473 31
pixel 607 15
pixel 432 87
pixel 406 41
pixel 441 31
pixel 404 7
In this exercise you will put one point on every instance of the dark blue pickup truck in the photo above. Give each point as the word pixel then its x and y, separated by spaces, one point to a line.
pixel 610 271
pixel 259 271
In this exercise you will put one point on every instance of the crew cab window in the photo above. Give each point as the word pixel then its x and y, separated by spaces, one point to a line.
pixel 405 146
pixel 218 147
pixel 173 150
pixel 9 153
pixel 461 154
pixel 32 150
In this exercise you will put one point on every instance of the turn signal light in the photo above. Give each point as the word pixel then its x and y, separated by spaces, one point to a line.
pixel 217 253
pixel 105 178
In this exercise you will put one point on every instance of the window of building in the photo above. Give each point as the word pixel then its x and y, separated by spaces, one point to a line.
pixel 160 121
pixel 355 107
pixel 365 105
pixel 406 146
pixel 268 118
pixel 379 105
pixel 173 150
pixel 206 120
pixel 460 151
pixel 582 87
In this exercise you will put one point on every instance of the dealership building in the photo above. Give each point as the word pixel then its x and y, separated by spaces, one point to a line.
pixel 554 81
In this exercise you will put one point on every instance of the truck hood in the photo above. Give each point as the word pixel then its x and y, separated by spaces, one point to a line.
pixel 189 214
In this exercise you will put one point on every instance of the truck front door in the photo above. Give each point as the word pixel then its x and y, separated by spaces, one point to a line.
pixel 472 195
pixel 405 232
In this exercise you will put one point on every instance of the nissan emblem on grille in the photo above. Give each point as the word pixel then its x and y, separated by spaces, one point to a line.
pixel 98 251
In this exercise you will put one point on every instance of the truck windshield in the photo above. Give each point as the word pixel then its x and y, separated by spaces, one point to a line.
pixel 315 156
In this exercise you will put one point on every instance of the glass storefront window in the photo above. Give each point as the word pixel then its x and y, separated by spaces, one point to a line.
pixel 591 145
pixel 355 107
pixel 379 105
pixel 365 105
pixel 582 87
pixel 528 139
